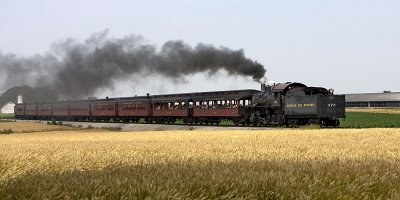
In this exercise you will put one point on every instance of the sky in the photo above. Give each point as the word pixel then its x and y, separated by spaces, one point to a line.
pixel 352 46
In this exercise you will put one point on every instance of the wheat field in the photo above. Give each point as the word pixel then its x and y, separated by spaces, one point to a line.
pixel 29 127
pixel 274 164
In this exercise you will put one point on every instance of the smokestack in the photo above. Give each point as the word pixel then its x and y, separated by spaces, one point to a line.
pixel 20 99
pixel 263 87
pixel 263 81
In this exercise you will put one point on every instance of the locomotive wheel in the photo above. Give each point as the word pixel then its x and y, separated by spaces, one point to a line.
pixel 293 123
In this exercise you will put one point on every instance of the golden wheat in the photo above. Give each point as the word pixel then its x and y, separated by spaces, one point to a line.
pixel 329 163
pixel 28 127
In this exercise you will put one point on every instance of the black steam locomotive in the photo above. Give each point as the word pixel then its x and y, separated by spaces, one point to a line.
pixel 295 104
pixel 284 104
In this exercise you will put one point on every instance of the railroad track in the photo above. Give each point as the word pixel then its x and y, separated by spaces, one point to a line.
pixel 151 127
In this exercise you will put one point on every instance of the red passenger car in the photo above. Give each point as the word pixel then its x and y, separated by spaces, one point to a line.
pixel 169 108
pixel 133 109
pixel 45 111
pixel 31 111
pixel 19 111
pixel 61 110
pixel 211 107
pixel 104 110
pixel 79 110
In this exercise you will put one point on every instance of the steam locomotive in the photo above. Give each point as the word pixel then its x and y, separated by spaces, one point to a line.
pixel 284 104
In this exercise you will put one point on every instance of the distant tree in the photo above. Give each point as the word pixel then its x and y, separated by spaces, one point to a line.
pixel 387 91
pixel 29 94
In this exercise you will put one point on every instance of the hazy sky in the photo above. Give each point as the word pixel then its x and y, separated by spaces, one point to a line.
pixel 351 46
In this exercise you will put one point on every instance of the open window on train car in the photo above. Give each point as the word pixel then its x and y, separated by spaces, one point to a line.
pixel 244 102
pixel 221 104
pixel 169 105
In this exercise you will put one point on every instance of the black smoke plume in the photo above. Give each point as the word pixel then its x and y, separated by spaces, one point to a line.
pixel 77 69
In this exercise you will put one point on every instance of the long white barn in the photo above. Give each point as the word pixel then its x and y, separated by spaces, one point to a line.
pixel 373 100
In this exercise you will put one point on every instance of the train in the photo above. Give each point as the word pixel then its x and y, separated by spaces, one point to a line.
pixel 290 104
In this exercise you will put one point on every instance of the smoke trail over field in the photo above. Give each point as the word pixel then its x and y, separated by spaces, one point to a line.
pixel 77 69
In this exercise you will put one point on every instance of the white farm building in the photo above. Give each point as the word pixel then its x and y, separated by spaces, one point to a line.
pixel 8 107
